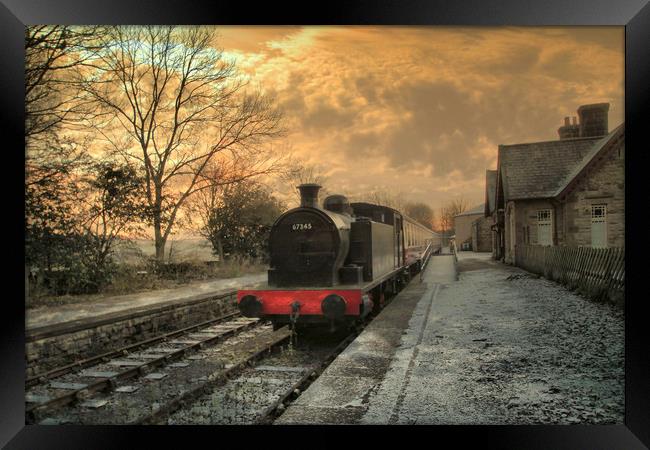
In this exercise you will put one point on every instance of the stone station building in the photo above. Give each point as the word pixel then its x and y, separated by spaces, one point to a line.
pixel 472 230
pixel 568 192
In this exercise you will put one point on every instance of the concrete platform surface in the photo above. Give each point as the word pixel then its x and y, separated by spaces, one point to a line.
pixel 494 346
pixel 52 315
pixel 342 393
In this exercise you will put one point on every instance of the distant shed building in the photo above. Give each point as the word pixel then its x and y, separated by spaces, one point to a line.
pixel 567 192
pixel 467 233
pixel 481 235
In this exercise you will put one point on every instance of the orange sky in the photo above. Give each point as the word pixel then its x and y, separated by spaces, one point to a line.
pixel 421 110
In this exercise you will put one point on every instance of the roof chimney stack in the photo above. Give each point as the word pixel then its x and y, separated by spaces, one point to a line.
pixel 568 131
pixel 593 119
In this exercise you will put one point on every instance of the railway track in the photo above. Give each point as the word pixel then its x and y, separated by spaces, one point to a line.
pixel 219 371
pixel 278 406
pixel 241 359
pixel 260 393
pixel 88 362
pixel 73 386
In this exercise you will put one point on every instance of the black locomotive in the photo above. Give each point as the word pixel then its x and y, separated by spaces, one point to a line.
pixel 336 263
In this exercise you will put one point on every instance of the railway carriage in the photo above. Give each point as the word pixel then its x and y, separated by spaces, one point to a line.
pixel 337 263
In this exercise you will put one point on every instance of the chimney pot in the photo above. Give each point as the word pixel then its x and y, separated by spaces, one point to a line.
pixel 568 131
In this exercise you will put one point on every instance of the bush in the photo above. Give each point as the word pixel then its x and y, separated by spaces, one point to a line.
pixel 130 278
pixel 77 270
pixel 174 271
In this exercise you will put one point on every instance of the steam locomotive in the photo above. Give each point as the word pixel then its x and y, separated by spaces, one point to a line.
pixel 337 263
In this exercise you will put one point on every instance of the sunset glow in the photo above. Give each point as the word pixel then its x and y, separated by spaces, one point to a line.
pixel 421 110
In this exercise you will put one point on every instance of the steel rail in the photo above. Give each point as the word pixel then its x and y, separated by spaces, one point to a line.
pixel 156 417
pixel 82 364
pixel 110 382
pixel 272 412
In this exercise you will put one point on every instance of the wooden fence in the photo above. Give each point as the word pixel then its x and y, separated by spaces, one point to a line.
pixel 598 273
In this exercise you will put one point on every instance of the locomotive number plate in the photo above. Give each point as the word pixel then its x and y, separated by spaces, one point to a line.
pixel 301 226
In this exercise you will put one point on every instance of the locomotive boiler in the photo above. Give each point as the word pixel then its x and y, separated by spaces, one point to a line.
pixel 336 263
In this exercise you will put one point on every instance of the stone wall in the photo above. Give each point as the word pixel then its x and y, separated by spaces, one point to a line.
pixel 605 184
pixel 526 221
pixel 510 226
pixel 54 346
pixel 481 235
pixel 463 228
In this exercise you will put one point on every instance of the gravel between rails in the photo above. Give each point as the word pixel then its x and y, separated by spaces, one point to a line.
pixel 244 400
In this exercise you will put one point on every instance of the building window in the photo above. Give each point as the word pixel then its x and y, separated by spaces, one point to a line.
pixel 544 227
pixel 599 226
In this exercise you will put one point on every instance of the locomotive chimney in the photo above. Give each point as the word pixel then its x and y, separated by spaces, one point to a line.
pixel 309 195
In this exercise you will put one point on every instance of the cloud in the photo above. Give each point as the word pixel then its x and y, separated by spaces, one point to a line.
pixel 421 110
pixel 323 116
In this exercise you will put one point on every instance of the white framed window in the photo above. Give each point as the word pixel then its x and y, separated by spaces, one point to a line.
pixel 545 227
pixel 599 226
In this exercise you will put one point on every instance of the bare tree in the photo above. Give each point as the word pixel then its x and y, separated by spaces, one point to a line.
pixel 446 221
pixel 420 212
pixel 51 98
pixel 382 197
pixel 299 172
pixel 450 210
pixel 198 207
pixel 457 206
pixel 235 218
pixel 173 104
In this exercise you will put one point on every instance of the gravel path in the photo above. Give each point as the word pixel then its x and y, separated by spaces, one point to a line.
pixel 500 346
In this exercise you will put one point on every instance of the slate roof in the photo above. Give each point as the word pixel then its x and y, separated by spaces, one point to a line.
pixel 539 169
pixel 478 209
pixel 599 147
pixel 490 191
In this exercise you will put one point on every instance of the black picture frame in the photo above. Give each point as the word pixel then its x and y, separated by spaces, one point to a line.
pixel 633 14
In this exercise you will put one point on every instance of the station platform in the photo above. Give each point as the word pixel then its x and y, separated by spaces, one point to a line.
pixel 113 307
pixel 476 342
pixel 379 356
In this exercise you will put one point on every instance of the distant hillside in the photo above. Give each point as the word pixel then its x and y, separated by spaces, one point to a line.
pixel 133 251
